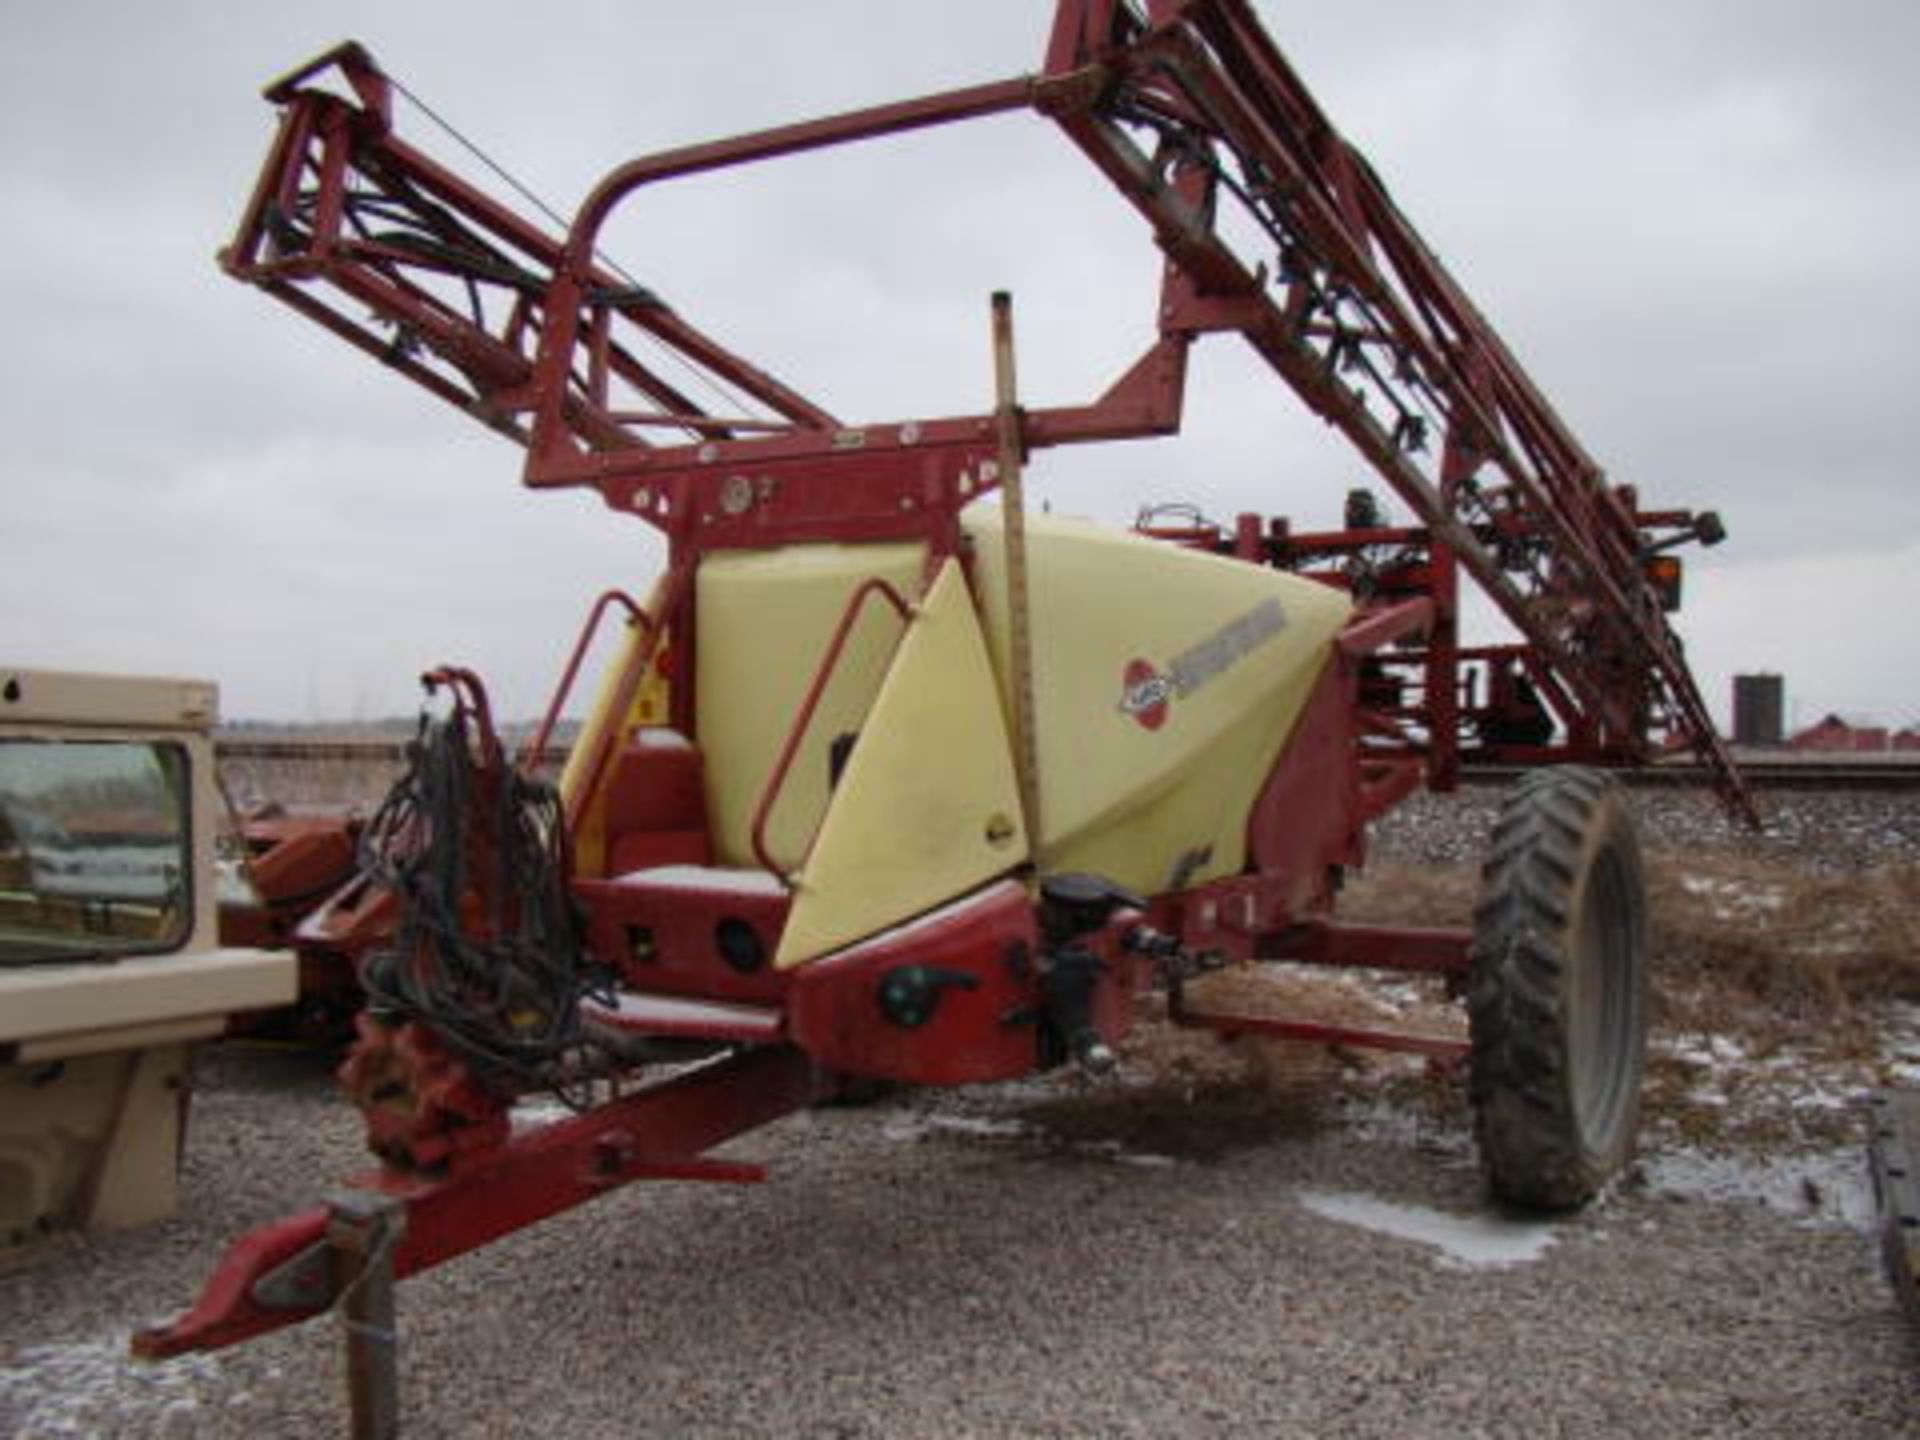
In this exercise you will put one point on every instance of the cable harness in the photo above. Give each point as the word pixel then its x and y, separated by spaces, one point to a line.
pixel 488 948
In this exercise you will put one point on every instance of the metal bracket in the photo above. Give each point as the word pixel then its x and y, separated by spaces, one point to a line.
pixel 363 1231
pixel 305 1282
pixel 352 1267
pixel 1894 1146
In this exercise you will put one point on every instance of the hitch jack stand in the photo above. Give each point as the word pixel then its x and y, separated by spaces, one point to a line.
pixel 1894 1149
pixel 363 1231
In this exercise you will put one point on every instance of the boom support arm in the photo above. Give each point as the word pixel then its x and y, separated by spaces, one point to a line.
pixel 1366 325
pixel 348 218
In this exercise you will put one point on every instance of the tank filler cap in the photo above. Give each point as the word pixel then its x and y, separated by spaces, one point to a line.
pixel 1075 904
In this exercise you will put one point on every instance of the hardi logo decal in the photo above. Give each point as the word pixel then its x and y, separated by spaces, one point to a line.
pixel 1147 692
pixel 1144 693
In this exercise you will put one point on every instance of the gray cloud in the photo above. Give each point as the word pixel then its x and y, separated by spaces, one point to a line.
pixel 1690 221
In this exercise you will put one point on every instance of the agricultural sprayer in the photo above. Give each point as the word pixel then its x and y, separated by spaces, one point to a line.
pixel 888 784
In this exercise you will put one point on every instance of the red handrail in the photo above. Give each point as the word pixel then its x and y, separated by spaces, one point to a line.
pixel 777 778
pixel 534 753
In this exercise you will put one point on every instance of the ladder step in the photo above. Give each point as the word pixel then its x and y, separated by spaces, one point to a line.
pixel 703 879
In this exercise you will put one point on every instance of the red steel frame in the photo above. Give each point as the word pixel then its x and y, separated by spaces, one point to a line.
pixel 1191 111
pixel 660 1133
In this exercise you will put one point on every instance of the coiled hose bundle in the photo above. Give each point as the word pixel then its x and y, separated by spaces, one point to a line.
pixel 488 947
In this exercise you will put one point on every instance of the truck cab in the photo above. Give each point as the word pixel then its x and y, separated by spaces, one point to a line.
pixel 110 966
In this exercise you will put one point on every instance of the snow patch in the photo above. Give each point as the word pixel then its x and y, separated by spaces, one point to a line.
pixel 1822 1188
pixel 1118 1153
pixel 1144 1160
pixel 1734 899
pixel 991 1127
pixel 1903 1045
pixel 93 1388
pixel 986 1127
pixel 1465 1242
pixel 1706 1051
pixel 1728 1074
pixel 1381 1122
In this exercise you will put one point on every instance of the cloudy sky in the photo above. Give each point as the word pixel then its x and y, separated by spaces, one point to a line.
pixel 1692 221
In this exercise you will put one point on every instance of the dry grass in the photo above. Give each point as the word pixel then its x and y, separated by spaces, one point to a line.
pixel 302 784
pixel 1739 943
pixel 1768 938
pixel 1188 1095
pixel 1397 893
pixel 1793 965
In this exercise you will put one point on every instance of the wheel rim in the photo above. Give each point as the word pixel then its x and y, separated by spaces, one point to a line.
pixel 1604 1004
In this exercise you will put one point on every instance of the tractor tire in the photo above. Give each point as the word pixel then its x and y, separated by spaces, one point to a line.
pixel 1557 994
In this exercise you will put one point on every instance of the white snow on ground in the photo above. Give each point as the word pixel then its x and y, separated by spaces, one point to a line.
pixel 1903 1046
pixel 1734 899
pixel 1480 1241
pixel 1139 1159
pixel 920 1124
pixel 92 1388
pixel 1706 1051
pixel 924 1124
pixel 1382 1122
pixel 1802 1080
pixel 1820 1188
pixel 1826 1187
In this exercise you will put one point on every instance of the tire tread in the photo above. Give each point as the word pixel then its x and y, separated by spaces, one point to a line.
pixel 1553 825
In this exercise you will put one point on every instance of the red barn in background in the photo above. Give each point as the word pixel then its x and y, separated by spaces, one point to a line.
pixel 1836 733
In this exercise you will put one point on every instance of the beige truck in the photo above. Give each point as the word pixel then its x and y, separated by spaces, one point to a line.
pixel 110 968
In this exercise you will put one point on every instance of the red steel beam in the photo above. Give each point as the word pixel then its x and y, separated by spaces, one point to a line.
pixel 552 442
pixel 660 1133
pixel 1227 1027
pixel 1417 950
pixel 296 230
pixel 1206 72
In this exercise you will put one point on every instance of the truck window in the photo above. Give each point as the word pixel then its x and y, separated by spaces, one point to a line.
pixel 95 849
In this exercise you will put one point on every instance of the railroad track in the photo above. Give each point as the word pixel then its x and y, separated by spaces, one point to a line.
pixel 322 751
pixel 1783 773
pixel 1870 773
pixel 343 751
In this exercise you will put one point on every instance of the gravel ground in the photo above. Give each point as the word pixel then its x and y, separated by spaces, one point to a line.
pixel 1047 1258
pixel 1824 830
